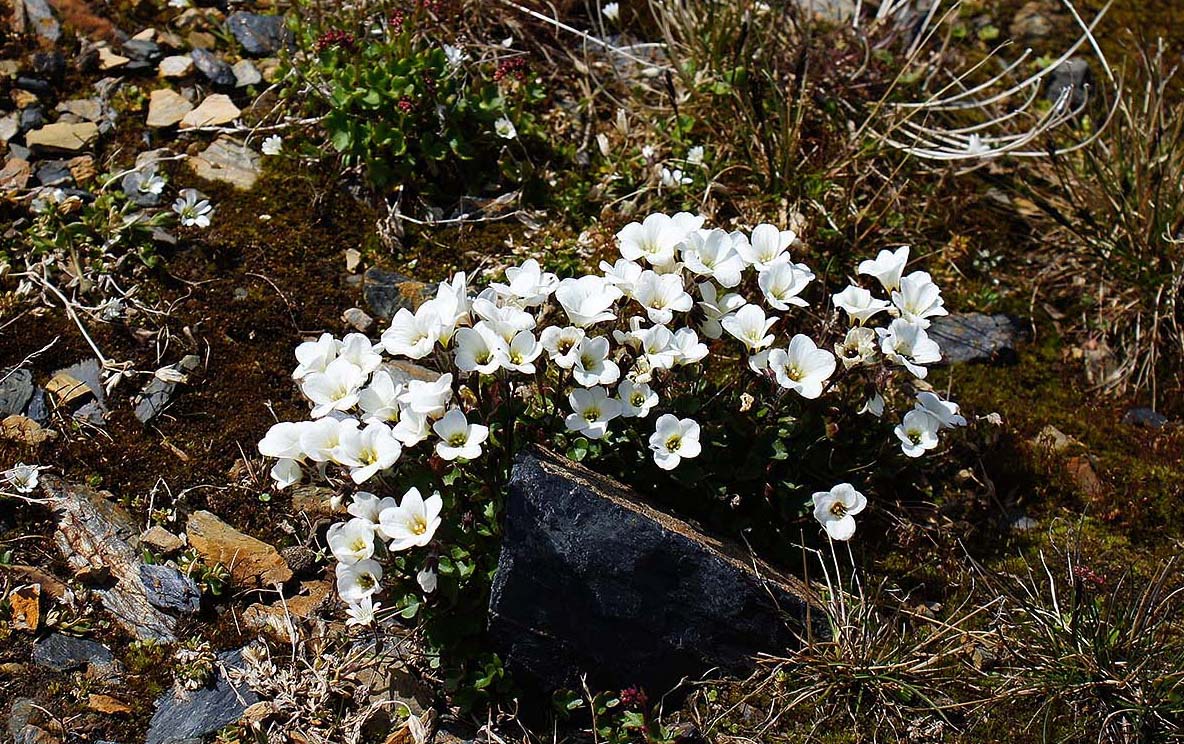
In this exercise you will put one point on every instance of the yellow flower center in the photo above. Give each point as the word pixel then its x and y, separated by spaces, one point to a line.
pixel 839 509
pixel 673 443
pixel 417 525
pixel 458 439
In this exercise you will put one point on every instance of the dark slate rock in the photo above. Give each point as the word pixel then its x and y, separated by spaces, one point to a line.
pixel 1073 73
pixel 169 589
pixel 201 712
pixel 50 64
pixel 1145 417
pixel 592 580
pixel 157 394
pixel 34 85
pixel 38 409
pixel 215 70
pixel 130 184
pixel 259 35
pixel 54 173
pixel 16 391
pixel 976 337
pixel 31 118
pixel 63 653
pixel 386 292
pixel 142 50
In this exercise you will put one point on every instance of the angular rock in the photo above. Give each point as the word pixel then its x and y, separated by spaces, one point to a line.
pixel 9 127
pixel 63 136
pixel 215 70
pixel 245 73
pixel 176 66
pixel 109 59
pixel 158 393
pixel 90 109
pixel 252 563
pixel 1146 417
pixel 1073 74
pixel 976 337
pixel 94 535
pixel 63 653
pixel 77 382
pixel 213 111
pixel 192 715
pixel 259 35
pixel 167 107
pixel 386 292
pixel 40 18
pixel 16 390
pixel 161 540
pixel 228 161
pixel 169 589
pixel 32 118
pixel 54 173
pixel 15 174
pixel 108 705
pixel 142 50
pixel 82 168
pixel 592 580
pixel 356 318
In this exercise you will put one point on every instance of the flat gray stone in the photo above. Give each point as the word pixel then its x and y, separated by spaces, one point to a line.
pixel 169 589
pixel 63 653
pixel 386 292
pixel 259 35
pixel 246 73
pixel 976 337
pixel 201 712
pixel 16 391
pixel 215 70
pixel 40 18
pixel 157 394
pixel 228 161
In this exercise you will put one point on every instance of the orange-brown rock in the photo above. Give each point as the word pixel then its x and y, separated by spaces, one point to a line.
pixel 252 563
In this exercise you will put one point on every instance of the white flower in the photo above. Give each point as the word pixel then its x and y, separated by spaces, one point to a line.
pixel 917 432
pixel 151 182
pixel 592 365
pixel 450 305
pixel 647 152
pixel 637 399
pixel 873 405
pixel 687 347
pixel 351 541
pixel 593 409
pixel 695 155
pixel 522 352
pixel 766 245
pixel 368 451
pixel 361 612
pixel 656 238
pixel 413 335
pixel 192 209
pixel 907 344
pixel 428 398
pixel 282 440
pixel 380 399
pixel 358 581
pixel 427 579
pixel 918 298
pixel 661 295
pixel 611 11
pixel 803 367
pixel 335 389
pixel 945 411
pixel 454 56
pixel 671 178
pixel 587 300
pixel 562 344
pixel 22 477
pixel 272 145
pixel 504 128
pixel 673 439
pixel 857 347
pixel 413 522
pixel 750 326
pixel 459 438
pixel 357 349
pixel 366 505
pixel 859 304
pixel 887 266
pixel 653 344
pixel 527 284
pixel 286 472
pixel 623 274
pixel 715 308
pixel 479 349
pixel 314 356
pixel 835 510
pixel 713 254
pixel 782 281
pixel 319 439
pixel 412 428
